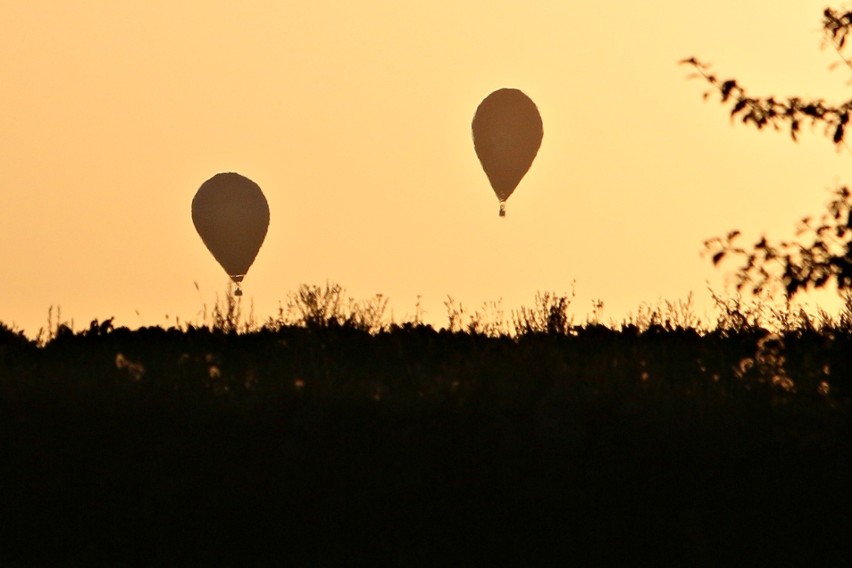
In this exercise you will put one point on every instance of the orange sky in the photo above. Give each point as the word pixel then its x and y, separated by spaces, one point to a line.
pixel 355 120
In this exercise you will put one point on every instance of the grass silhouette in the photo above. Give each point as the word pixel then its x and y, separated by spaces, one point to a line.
pixel 328 436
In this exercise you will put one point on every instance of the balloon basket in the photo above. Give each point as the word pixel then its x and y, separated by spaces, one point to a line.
pixel 502 209
pixel 237 279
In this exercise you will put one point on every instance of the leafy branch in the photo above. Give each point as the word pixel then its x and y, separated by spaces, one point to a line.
pixel 775 112
pixel 792 112
pixel 822 256
pixel 822 253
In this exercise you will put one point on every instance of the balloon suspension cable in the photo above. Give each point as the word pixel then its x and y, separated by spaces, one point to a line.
pixel 502 208
pixel 236 279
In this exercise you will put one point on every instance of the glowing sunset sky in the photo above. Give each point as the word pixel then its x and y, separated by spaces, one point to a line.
pixel 355 120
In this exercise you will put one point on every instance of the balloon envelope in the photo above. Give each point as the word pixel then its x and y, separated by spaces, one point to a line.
pixel 507 133
pixel 231 215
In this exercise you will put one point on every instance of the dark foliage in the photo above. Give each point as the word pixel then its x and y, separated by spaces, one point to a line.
pixel 329 445
pixel 771 111
pixel 820 256
pixel 824 256
pixel 791 112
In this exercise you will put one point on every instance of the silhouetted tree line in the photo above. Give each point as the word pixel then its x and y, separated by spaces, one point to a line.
pixel 411 361
pixel 330 444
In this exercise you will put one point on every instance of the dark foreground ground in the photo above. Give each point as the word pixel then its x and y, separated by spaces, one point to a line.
pixel 331 446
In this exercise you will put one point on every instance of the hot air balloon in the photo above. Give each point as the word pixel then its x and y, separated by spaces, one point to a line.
pixel 507 132
pixel 231 215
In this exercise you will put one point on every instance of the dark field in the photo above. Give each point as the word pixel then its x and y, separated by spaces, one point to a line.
pixel 327 445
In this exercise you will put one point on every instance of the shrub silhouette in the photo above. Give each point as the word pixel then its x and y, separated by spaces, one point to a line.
pixel 332 443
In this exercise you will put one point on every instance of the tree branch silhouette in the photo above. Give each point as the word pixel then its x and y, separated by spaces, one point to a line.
pixel 821 253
